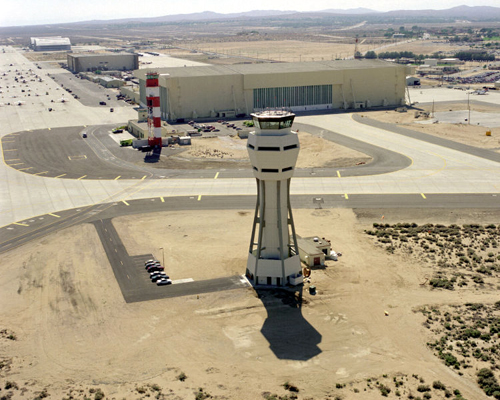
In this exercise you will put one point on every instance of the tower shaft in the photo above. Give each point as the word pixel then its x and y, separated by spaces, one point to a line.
pixel 154 110
pixel 273 254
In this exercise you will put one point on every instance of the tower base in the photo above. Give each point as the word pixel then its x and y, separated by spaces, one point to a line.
pixel 272 273
pixel 154 141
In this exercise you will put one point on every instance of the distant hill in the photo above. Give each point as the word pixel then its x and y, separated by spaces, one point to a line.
pixel 351 11
pixel 462 12
pixel 201 16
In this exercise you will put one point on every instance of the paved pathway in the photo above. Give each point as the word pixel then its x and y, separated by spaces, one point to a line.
pixel 434 168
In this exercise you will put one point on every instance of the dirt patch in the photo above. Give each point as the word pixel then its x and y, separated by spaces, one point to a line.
pixel 50 56
pixel 230 152
pixel 76 337
pixel 460 256
pixel 472 135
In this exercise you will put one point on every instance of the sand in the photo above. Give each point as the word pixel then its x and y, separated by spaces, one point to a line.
pixel 460 132
pixel 315 152
pixel 74 331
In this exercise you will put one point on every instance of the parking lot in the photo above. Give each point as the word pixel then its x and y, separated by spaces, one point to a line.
pixel 89 93
pixel 135 282
pixel 220 127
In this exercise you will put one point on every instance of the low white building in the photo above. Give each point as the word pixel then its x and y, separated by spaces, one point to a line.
pixel 412 81
pixel 313 250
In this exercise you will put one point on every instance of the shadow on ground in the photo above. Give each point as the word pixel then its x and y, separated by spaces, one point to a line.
pixel 290 336
pixel 153 156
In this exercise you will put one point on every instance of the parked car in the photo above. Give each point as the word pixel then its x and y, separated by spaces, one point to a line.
pixel 155 268
pixel 153 265
pixel 102 103
pixel 117 130
pixel 84 135
pixel 159 277
pixel 163 282
pixel 146 263
pixel 111 109
pixel 156 273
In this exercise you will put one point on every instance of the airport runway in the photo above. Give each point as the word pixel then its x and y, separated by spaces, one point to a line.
pixel 64 153
pixel 434 169
pixel 70 180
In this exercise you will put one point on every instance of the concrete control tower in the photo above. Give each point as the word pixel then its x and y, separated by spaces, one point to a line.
pixel 273 149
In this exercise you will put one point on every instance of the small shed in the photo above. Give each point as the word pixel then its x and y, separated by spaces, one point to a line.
pixel 185 140
pixel 110 82
pixel 313 250
pixel 412 81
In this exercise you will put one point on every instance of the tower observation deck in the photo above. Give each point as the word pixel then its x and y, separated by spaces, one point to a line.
pixel 273 148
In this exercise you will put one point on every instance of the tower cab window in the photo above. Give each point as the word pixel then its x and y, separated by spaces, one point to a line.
pixel 263 123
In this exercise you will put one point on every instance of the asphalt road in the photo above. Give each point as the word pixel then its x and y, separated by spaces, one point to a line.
pixel 19 233
pixel 65 154
pixel 129 270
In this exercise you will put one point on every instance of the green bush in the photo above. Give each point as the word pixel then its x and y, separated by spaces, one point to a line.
pixel 384 390
pixel 487 381
pixel 438 385
pixel 99 394
pixel 441 283
pixel 292 388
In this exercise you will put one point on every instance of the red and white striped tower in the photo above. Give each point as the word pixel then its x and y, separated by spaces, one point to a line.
pixel 154 112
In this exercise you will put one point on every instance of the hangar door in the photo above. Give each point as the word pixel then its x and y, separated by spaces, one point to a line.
pixel 294 96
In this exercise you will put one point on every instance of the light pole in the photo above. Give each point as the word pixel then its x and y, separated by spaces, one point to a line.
pixel 468 106
pixel 163 255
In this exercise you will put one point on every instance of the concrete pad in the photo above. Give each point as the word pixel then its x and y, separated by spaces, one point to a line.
pixel 489 120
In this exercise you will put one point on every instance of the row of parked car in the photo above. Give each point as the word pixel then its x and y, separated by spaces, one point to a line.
pixel 157 273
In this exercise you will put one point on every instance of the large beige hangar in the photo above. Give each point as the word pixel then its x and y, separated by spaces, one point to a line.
pixel 103 62
pixel 53 43
pixel 218 91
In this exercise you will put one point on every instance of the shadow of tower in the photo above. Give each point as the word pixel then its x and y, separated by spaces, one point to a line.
pixel 290 335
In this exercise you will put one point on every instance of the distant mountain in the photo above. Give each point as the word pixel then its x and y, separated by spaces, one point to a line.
pixel 351 11
pixel 462 12
pixel 201 16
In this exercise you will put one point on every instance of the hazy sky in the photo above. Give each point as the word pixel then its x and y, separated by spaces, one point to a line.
pixel 32 12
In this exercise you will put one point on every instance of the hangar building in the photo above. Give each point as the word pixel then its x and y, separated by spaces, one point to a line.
pixel 218 91
pixel 103 62
pixel 55 43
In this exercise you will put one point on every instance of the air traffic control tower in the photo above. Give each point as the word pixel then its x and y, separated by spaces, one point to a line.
pixel 273 149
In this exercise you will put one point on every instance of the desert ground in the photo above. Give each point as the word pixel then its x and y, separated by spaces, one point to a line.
pixel 231 152
pixel 67 333
pixel 462 132
pixel 310 50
